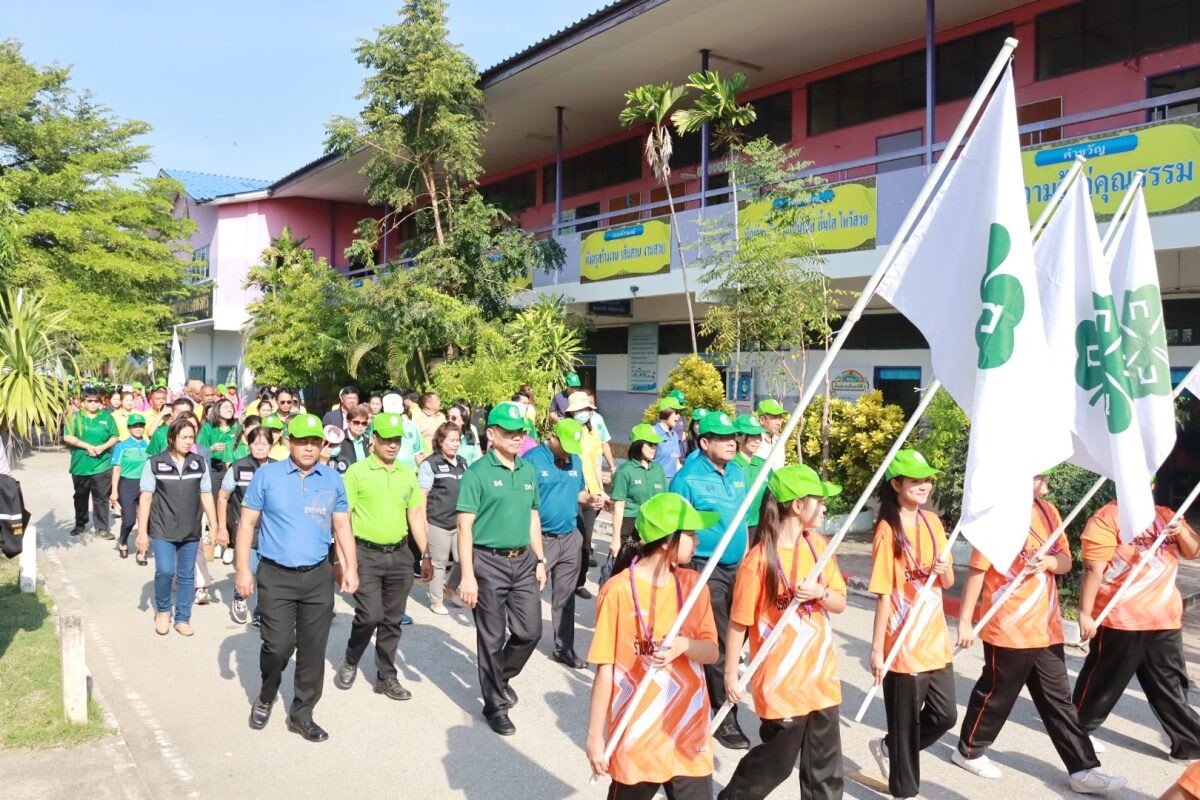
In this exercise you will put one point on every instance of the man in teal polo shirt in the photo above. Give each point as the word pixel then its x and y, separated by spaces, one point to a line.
pixel 89 434
pixel 711 481
pixel 503 565
pixel 386 505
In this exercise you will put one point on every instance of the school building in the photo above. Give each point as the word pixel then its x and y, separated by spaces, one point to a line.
pixel 868 89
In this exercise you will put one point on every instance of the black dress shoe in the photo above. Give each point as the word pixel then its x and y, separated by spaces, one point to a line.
pixel 730 735
pixel 310 730
pixel 260 714
pixel 510 694
pixel 501 724
pixel 570 659
pixel 346 673
pixel 76 531
pixel 393 689
pixel 583 593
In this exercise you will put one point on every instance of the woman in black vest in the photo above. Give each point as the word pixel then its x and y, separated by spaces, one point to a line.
pixel 229 508
pixel 439 477
pixel 176 494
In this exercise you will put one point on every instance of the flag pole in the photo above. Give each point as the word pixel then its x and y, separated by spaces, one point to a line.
pixel 813 574
pixel 910 219
pixel 1016 582
pixel 1118 219
pixel 1056 199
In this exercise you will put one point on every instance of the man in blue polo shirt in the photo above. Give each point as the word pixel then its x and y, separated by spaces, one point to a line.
pixel 712 481
pixel 295 503
pixel 562 489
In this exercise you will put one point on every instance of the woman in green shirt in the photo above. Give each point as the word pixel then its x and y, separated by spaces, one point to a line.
pixel 635 482
pixel 221 434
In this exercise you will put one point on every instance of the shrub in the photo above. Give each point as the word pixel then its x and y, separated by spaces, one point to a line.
pixel 701 385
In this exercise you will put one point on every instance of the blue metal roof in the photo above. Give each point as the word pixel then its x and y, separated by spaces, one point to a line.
pixel 202 186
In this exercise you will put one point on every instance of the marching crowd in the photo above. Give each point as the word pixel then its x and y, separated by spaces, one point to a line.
pixel 391 489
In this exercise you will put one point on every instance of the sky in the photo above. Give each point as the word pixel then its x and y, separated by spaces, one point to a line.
pixel 245 87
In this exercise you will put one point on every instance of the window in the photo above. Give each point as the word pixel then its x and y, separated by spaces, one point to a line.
pixel 900 386
pixel 896 142
pixel 773 118
pixel 1169 84
pixel 1182 318
pixel 583 212
pixel 1098 32
pixel 898 84
pixel 596 169
pixel 513 194
pixel 198 374
pixel 198 272
pixel 227 375
pixel 1040 111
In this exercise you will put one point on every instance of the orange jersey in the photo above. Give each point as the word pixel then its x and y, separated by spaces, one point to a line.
pixel 926 646
pixel 800 673
pixel 1030 616
pixel 1153 603
pixel 668 736
pixel 1189 781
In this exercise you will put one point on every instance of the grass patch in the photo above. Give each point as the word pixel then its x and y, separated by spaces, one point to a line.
pixel 31 713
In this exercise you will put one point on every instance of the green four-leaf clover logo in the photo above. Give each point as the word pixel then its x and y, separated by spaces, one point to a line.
pixel 1145 342
pixel 1003 304
pixel 1100 364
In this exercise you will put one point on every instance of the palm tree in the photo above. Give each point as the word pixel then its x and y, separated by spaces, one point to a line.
pixel 35 350
pixel 652 103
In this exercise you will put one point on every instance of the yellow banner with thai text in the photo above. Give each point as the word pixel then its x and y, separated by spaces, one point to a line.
pixel 643 248
pixel 840 217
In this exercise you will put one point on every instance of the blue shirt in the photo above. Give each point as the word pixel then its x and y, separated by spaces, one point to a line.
pixel 296 526
pixel 708 490
pixel 668 454
pixel 559 487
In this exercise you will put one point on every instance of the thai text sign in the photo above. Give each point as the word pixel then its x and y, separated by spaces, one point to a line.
pixel 640 249
pixel 839 217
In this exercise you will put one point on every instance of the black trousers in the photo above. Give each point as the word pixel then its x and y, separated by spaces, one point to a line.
pixel 629 534
pixel 920 708
pixel 586 522
pixel 720 590
pixel 98 487
pixel 296 609
pixel 563 566
pixel 815 738
pixel 508 621
pixel 1042 669
pixel 384 581
pixel 681 787
pixel 128 492
pixel 1156 657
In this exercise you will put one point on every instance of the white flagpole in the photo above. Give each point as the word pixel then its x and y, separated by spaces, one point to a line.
pixel 1118 219
pixel 835 347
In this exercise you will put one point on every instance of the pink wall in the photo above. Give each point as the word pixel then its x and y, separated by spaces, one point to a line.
pixel 329 225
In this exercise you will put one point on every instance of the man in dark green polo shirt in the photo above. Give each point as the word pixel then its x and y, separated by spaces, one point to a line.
pixel 386 505
pixel 503 566
pixel 89 434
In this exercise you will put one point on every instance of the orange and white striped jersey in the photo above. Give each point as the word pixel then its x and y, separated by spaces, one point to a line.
pixel 799 675
pixel 1030 617
pixel 1153 603
pixel 926 647
pixel 1189 781
pixel 668 734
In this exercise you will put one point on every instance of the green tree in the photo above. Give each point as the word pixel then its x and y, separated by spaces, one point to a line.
pixel 35 353
pixel 91 238
pixel 701 385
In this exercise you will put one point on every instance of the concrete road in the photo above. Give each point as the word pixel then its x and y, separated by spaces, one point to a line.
pixel 182 704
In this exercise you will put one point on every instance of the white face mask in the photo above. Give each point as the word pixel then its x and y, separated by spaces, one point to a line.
pixel 582 416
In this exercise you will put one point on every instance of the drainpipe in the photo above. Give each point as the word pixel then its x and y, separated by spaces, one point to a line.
pixel 704 142
pixel 558 169
pixel 930 80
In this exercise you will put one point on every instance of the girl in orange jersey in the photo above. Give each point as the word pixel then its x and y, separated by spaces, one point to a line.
pixel 1023 646
pixel 918 689
pixel 667 743
pixel 1143 635
pixel 796 692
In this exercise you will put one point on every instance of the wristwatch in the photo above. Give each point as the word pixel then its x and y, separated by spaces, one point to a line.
pixel 542 561
pixel 426 557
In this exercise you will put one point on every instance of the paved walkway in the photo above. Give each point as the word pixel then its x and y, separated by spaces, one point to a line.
pixel 181 705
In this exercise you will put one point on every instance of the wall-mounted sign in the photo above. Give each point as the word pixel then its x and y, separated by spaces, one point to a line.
pixel 611 308
pixel 624 252
pixel 850 384
pixel 643 357
pixel 840 217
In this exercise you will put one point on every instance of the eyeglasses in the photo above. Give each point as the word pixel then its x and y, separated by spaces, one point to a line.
pixel 358 422
pixel 284 402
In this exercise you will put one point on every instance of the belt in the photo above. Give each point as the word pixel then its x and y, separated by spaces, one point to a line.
pixel 275 563
pixel 552 535
pixel 504 552
pixel 383 548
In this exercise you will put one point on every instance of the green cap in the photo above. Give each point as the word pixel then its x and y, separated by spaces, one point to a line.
pixel 699 414
pixel 507 415
pixel 573 380
pixel 799 480
pixel 665 513
pixel 748 424
pixel 388 426
pixel 771 407
pixel 138 385
pixel 671 403
pixel 1051 471
pixel 135 420
pixel 645 433
pixel 220 388
pixel 273 423
pixel 306 426
pixel 910 464
pixel 570 436
pixel 717 423
pixel 159 384
pixel 678 395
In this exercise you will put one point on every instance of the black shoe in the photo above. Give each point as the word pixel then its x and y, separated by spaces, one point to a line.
pixel 310 730
pixel 392 688
pixel 260 714
pixel 583 593
pixel 346 673
pixel 77 531
pixel 501 724
pixel 570 659
pixel 730 735
pixel 510 694
pixel 106 534
pixel 592 562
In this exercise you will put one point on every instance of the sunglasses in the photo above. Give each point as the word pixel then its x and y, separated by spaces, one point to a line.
pixel 284 402
pixel 358 422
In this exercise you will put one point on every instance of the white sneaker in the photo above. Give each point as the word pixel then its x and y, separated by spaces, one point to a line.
pixel 1097 745
pixel 439 609
pixel 240 612
pixel 878 749
pixel 202 598
pixel 1093 781
pixel 980 765
pixel 227 556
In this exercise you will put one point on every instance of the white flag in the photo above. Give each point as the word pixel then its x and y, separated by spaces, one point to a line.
pixel 1191 381
pixel 965 278
pixel 1083 328
pixel 177 376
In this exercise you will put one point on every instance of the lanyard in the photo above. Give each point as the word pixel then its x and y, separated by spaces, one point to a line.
pixel 919 573
pixel 790 585
pixel 647 623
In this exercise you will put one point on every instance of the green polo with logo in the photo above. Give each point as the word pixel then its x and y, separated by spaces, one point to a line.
pixel 501 499
pixel 751 467
pixel 380 498
pixel 158 442
pixel 94 430
pixel 635 484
